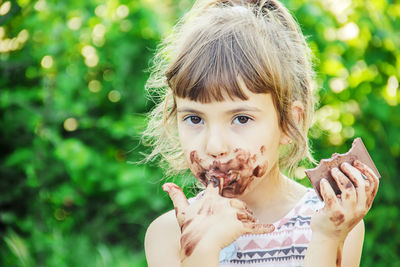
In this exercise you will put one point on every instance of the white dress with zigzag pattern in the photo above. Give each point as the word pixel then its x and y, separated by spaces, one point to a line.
pixel 286 246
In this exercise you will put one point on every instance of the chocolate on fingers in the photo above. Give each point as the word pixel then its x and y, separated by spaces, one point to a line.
pixel 357 153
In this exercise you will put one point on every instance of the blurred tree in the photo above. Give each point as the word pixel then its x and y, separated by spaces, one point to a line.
pixel 72 79
pixel 72 107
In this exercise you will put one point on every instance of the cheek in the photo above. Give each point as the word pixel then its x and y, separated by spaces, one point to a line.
pixel 181 136
pixel 190 138
pixel 187 144
pixel 195 165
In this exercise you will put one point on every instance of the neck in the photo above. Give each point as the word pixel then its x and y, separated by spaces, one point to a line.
pixel 273 192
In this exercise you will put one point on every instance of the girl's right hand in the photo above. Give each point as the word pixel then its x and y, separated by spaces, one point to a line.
pixel 212 222
pixel 358 185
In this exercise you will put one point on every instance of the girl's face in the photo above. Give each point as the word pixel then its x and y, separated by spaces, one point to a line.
pixel 233 144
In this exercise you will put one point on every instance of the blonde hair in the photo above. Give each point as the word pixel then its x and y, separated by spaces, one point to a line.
pixel 209 48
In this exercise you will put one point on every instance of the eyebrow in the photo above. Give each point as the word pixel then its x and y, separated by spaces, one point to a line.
pixel 189 110
pixel 236 110
pixel 241 109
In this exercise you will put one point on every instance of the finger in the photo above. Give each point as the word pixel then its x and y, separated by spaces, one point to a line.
pixel 178 199
pixel 212 188
pixel 328 195
pixel 349 195
pixel 368 173
pixel 341 180
pixel 240 205
pixel 373 181
pixel 355 175
pixel 244 216
pixel 256 228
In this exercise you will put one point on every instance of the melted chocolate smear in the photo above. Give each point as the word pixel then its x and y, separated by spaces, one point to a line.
pixel 189 242
pixel 176 211
pixel 192 156
pixel 256 171
pixel 240 171
pixel 215 181
pixel 185 225
pixel 203 177
pixel 339 257
pixel 337 218
pixel 371 197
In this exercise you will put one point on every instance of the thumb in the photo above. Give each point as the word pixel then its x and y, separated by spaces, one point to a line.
pixel 178 199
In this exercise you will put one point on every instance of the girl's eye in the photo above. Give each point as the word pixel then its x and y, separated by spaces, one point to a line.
pixel 241 119
pixel 193 120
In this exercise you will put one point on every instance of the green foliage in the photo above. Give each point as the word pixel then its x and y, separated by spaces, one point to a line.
pixel 72 107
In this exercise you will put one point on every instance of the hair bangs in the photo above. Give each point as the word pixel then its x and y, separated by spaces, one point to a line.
pixel 216 71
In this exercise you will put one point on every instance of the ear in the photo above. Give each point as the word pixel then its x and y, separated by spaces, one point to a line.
pixel 297 113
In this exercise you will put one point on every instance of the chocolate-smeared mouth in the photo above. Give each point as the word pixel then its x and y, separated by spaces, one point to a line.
pixel 221 180
pixel 231 177
pixel 232 182
pixel 216 181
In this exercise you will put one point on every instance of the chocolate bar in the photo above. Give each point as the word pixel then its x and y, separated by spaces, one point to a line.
pixel 357 152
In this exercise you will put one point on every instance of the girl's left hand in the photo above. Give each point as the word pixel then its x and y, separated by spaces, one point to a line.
pixel 341 213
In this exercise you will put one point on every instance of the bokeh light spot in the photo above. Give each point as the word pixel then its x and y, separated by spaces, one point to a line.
pixel 14 44
pixel 336 127
pixel 23 36
pixel 60 214
pixel 336 139
pixel 40 5
pixel 392 86
pixel 348 132
pixel 88 50
pixel 125 25
pixel 91 57
pixel 94 86
pixel 101 11
pixel 5 8
pixel 99 30
pixel 300 172
pixel 98 34
pixel 114 96
pixel 74 23
pixel 337 84
pixel 70 124
pixel 122 11
pixel 348 32
pixel 47 62
pixel 92 60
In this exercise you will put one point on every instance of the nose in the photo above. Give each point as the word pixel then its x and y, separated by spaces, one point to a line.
pixel 216 145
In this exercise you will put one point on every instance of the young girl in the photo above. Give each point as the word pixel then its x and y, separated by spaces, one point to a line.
pixel 235 80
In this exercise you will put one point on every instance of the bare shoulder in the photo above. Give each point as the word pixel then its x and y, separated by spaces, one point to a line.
pixel 353 244
pixel 162 241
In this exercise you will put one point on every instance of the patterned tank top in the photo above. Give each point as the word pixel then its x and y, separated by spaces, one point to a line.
pixel 286 246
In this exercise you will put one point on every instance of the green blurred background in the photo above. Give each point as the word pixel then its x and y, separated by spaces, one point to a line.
pixel 72 105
